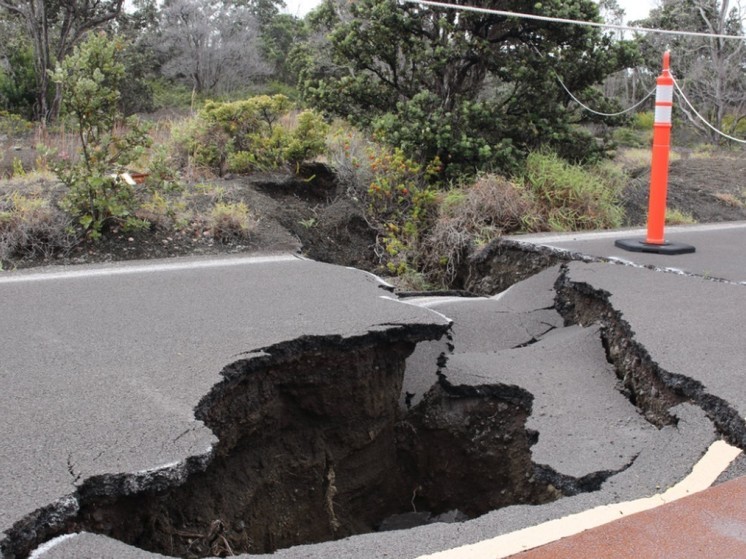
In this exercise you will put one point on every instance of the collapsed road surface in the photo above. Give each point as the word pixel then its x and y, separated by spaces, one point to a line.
pixel 247 406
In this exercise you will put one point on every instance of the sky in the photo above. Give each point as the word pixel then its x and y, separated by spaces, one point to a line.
pixel 635 9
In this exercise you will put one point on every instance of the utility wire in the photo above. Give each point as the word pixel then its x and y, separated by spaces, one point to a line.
pixel 573 21
pixel 700 117
pixel 583 105
pixel 587 108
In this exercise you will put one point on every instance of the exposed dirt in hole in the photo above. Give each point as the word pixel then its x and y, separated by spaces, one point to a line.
pixel 313 446
pixel 506 262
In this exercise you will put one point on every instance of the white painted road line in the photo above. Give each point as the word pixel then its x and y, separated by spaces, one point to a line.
pixel 547 239
pixel 123 268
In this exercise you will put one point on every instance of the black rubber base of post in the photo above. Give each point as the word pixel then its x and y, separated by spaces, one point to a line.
pixel 639 245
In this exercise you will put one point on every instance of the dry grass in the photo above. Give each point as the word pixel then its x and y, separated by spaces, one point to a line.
pixel 473 216
pixel 231 222
pixel 729 199
pixel 634 158
pixel 678 217
pixel 31 226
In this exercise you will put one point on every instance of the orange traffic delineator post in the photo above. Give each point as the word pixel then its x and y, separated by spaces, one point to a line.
pixel 655 240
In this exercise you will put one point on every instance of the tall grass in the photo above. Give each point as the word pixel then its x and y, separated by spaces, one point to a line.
pixel 571 197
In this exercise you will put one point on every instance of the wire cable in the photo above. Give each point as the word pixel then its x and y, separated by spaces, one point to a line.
pixel 700 117
pixel 587 108
pixel 616 27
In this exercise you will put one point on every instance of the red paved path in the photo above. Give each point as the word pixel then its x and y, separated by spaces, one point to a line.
pixel 707 525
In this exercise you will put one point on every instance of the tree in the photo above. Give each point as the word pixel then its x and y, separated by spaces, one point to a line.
pixel 279 36
pixel 138 29
pixel 213 45
pixel 474 90
pixel 263 10
pixel 710 70
pixel 17 81
pixel 89 79
pixel 54 27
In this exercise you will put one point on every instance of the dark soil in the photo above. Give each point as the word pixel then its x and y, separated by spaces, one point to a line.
pixel 301 213
pixel 711 189
pixel 307 213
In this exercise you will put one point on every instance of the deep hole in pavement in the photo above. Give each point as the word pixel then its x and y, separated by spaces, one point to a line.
pixel 313 446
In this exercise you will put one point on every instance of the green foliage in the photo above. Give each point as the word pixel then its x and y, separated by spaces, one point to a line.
pixel 735 126
pixel 464 136
pixel 278 37
pixel 678 217
pixel 13 125
pixel 18 81
pixel 164 212
pixel 170 95
pixel 400 200
pixel 478 91
pixel 631 138
pixel 89 79
pixel 249 135
pixel 644 121
pixel 571 197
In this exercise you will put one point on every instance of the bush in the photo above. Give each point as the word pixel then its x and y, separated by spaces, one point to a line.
pixel 644 121
pixel 629 138
pixel 250 135
pixel 13 125
pixel 30 226
pixel 571 197
pixel 472 216
pixel 231 222
pixel 89 79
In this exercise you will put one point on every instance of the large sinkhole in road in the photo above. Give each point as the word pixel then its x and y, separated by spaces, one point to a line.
pixel 314 446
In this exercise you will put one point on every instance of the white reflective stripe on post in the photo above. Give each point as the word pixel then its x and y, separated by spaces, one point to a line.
pixel 663 114
pixel 664 94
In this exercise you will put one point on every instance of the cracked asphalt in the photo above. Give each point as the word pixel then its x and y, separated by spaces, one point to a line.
pixel 91 362
pixel 103 367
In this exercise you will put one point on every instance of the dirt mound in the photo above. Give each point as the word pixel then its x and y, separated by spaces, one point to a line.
pixel 709 189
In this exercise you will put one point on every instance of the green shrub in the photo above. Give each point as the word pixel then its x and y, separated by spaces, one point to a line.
pixel 17 79
pixel 402 204
pixel 571 197
pixel 644 121
pixel 13 125
pixel 241 162
pixel 170 95
pixel 164 212
pixel 733 127
pixel 630 138
pixel 89 79
pixel 197 145
pixel 308 139
pixel 253 134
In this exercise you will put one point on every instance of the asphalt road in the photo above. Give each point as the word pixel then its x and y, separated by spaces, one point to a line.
pixel 83 402
pixel 102 367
